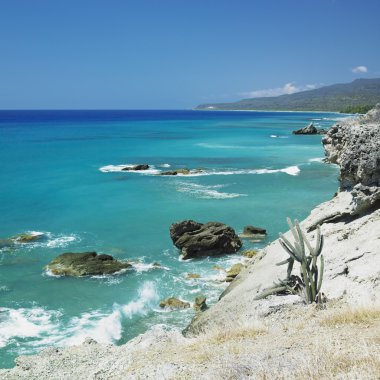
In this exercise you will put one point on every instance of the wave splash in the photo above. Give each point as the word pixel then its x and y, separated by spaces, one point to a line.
pixel 44 327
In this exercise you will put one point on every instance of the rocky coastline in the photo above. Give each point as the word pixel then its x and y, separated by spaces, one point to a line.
pixel 242 337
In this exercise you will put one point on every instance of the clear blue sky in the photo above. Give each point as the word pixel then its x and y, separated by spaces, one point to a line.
pixel 132 54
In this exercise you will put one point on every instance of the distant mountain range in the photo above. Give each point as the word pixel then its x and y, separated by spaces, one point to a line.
pixel 336 98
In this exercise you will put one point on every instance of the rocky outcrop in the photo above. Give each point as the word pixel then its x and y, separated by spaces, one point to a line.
pixel 309 130
pixel 136 167
pixel 200 303
pixel 176 172
pixel 21 238
pixel 196 239
pixel 85 264
pixel 252 232
pixel 233 272
pixel 355 146
pixel 174 303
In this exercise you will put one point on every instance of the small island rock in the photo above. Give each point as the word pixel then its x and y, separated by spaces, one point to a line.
pixel 85 264
pixel 309 130
pixel 196 239
pixel 176 172
pixel 136 167
pixel 174 303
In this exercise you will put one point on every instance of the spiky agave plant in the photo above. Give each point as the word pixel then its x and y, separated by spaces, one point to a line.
pixel 310 281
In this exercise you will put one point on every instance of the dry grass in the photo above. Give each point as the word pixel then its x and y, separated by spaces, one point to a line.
pixel 348 316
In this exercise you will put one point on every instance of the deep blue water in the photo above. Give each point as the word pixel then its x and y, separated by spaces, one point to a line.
pixel 60 176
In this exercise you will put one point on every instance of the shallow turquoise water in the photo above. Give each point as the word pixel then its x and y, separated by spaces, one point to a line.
pixel 59 176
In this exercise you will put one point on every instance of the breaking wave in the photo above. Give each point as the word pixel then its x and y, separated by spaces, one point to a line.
pixel 206 192
pixel 45 327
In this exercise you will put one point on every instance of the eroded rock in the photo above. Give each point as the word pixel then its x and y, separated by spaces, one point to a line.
pixel 196 239
pixel 85 264
pixel 174 303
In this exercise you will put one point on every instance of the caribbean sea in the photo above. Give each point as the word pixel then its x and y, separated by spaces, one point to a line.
pixel 61 176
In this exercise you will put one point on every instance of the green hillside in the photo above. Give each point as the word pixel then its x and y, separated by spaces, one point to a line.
pixel 336 98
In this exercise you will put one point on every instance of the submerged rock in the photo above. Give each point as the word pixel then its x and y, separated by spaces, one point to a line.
pixel 234 271
pixel 136 167
pixel 85 264
pixel 200 303
pixel 193 275
pixel 196 239
pixel 27 238
pixel 176 172
pixel 174 303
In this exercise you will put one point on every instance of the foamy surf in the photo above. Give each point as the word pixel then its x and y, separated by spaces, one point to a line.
pixel 43 327
pixel 119 168
pixel 205 192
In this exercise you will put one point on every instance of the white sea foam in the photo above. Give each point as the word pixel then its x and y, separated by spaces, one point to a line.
pixel 204 191
pixel 164 166
pixel 316 159
pixel 48 240
pixel 44 327
pixel 25 323
pixel 144 267
pixel 291 170
pixel 119 168
pixel 109 328
pixel 279 137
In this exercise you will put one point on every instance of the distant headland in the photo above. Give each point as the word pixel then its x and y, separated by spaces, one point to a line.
pixel 356 97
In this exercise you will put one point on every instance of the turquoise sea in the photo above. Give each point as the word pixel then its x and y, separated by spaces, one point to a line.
pixel 60 176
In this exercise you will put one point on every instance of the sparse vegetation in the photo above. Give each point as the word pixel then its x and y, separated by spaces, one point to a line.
pixel 347 316
pixel 309 282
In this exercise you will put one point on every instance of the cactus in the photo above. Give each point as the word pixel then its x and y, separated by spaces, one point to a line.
pixel 310 280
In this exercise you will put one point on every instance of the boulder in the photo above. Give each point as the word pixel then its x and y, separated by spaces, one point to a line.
pixel 136 167
pixel 27 238
pixel 309 130
pixel 85 264
pixel 176 172
pixel 200 303
pixel 196 239
pixel 174 303
pixel 233 271
pixel 253 232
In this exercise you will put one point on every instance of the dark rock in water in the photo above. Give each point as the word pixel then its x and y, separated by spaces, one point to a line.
pixel 136 167
pixel 309 130
pixel 174 303
pixel 196 239
pixel 27 238
pixel 252 230
pixel 200 303
pixel 85 264
pixel 176 172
